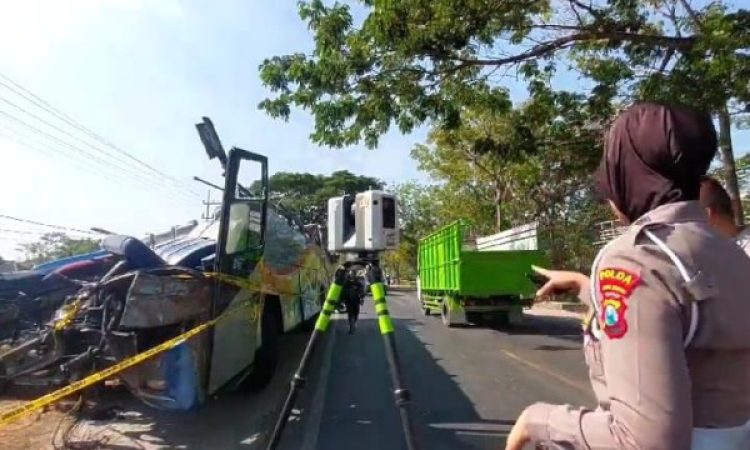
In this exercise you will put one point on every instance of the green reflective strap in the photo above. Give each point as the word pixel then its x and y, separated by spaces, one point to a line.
pixel 328 307
pixel 322 323
pixel 334 292
pixel 386 324
pixel 378 291
pixel 381 308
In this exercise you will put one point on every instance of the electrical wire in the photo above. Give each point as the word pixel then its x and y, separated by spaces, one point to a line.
pixel 47 150
pixel 27 232
pixel 67 144
pixel 138 176
pixel 86 165
pixel 99 150
pixel 44 105
pixel 48 225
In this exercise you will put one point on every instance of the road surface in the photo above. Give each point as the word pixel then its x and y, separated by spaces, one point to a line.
pixel 468 386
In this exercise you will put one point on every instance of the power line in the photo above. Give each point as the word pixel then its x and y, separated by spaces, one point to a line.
pixel 47 150
pixel 135 175
pixel 43 104
pixel 34 222
pixel 5 230
pixel 66 133
pixel 67 144
pixel 33 233
pixel 83 164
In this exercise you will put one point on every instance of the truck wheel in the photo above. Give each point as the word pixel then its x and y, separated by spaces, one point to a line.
pixel 476 318
pixel 426 310
pixel 447 317
pixel 267 356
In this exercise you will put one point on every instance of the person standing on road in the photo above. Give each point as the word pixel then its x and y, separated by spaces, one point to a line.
pixel 715 200
pixel 353 298
pixel 667 344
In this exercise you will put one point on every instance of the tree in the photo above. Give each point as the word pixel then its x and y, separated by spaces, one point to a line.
pixel 710 69
pixel 523 162
pixel 420 213
pixel 530 164
pixel 414 62
pixel 474 157
pixel 399 264
pixel 743 179
pixel 56 245
pixel 306 195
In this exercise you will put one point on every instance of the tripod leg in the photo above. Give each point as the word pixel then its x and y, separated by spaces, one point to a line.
pixel 401 393
pixel 299 379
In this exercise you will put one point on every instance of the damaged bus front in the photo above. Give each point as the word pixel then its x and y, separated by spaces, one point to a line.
pixel 254 259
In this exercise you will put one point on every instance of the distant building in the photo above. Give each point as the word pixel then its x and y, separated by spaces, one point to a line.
pixel 8 266
pixel 174 233
pixel 608 230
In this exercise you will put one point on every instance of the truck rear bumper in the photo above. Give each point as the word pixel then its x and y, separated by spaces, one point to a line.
pixel 490 305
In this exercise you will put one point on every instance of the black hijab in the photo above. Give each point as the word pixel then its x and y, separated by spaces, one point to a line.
pixel 654 155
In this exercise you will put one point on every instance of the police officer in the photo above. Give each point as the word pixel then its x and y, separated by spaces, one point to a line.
pixel 715 200
pixel 668 342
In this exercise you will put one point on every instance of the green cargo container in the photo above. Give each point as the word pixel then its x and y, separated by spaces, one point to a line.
pixel 466 285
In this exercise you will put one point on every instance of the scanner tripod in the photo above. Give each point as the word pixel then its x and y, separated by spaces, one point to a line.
pixel 401 394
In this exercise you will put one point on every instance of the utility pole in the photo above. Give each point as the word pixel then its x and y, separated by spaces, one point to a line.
pixel 208 203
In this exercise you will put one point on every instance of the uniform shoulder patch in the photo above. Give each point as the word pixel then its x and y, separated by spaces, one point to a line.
pixel 615 287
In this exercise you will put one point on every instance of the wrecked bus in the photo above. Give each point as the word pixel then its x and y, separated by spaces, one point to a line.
pixel 254 258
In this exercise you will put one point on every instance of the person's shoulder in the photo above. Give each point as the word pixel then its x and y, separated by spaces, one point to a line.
pixel 743 239
pixel 635 244
pixel 642 249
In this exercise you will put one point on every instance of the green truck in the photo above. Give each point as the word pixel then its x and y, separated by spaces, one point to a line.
pixel 482 281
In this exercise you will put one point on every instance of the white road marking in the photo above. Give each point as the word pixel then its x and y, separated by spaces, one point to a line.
pixel 549 372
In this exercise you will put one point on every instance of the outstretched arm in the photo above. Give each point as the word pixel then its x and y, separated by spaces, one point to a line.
pixel 644 365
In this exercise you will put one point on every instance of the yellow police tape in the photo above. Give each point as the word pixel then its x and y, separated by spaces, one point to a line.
pixel 76 386
pixel 69 313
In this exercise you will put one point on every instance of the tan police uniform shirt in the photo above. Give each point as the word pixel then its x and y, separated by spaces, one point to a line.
pixel 743 240
pixel 651 391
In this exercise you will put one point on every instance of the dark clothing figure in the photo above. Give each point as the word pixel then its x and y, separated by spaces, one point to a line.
pixel 353 296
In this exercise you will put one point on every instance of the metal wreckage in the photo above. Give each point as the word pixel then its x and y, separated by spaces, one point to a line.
pixel 71 318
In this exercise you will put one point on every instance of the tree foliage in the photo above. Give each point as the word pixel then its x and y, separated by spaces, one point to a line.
pixel 415 61
pixel 530 164
pixel 306 195
pixel 420 213
pixel 523 164
pixel 743 174
pixel 743 180
pixel 56 245
pixel 443 63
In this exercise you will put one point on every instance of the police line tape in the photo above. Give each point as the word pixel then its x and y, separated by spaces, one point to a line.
pixel 55 396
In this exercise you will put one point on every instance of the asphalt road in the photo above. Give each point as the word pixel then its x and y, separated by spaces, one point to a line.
pixel 468 386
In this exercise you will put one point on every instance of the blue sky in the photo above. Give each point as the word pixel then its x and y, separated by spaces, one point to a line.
pixel 141 74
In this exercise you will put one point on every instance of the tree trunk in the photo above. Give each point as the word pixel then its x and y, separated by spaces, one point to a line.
pixel 727 158
pixel 498 209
